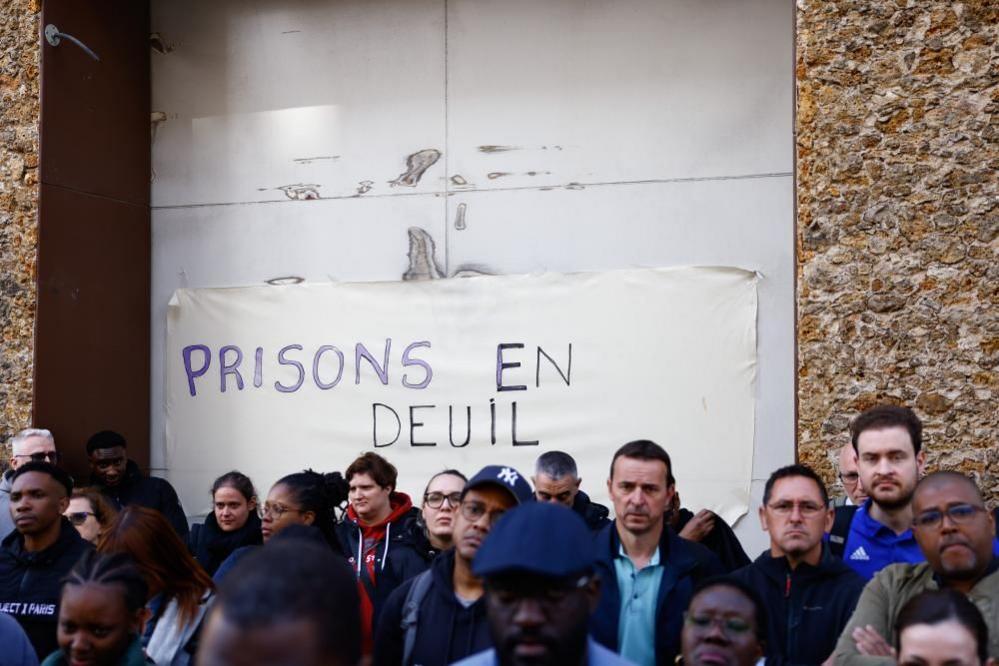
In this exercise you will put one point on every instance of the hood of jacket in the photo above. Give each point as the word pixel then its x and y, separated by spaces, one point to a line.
pixel 400 504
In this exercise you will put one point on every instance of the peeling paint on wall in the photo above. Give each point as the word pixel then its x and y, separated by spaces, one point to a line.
pixel 364 186
pixel 310 160
pixel 301 191
pixel 497 149
pixel 416 165
pixel 422 261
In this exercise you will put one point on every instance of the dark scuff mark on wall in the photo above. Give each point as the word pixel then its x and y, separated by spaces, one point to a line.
pixel 575 186
pixel 310 160
pixel 289 32
pixel 458 180
pixel 422 261
pixel 459 220
pixel 364 186
pixel 416 165
pixel 158 44
pixel 301 191
pixel 497 174
pixel 497 149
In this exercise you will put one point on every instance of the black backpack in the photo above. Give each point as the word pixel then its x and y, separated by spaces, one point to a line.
pixel 840 529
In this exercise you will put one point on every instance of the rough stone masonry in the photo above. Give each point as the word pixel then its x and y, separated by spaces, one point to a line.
pixel 897 223
pixel 19 113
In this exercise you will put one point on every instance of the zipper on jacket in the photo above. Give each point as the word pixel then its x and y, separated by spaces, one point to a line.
pixel 790 616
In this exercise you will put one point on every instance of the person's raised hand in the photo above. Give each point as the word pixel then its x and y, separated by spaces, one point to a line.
pixel 699 526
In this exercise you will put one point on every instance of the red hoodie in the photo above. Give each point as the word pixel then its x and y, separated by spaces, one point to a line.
pixel 373 538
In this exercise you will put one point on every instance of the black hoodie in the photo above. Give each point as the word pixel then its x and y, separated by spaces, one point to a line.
pixel 210 545
pixel 149 491
pixel 446 630
pixel 30 583
pixel 808 607
pixel 595 515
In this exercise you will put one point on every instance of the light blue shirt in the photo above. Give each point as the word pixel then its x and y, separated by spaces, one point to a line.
pixel 639 590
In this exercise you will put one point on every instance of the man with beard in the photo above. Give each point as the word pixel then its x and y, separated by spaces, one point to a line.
pixel 439 616
pixel 539 598
pixel 888 442
pixel 648 572
pixel 809 594
pixel 956 533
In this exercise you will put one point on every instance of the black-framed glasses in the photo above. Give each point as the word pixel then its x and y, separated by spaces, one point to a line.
pixel 41 456
pixel 730 626
pixel 959 514
pixel 850 477
pixel 275 511
pixel 435 500
pixel 807 509
pixel 473 511
pixel 79 517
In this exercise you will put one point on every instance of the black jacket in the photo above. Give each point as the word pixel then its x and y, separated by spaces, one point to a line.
pixel 148 491
pixel 595 515
pixel 211 546
pixel 685 563
pixel 446 631
pixel 404 556
pixel 30 583
pixel 721 541
pixel 808 607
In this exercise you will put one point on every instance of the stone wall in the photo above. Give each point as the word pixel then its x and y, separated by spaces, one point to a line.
pixel 19 113
pixel 897 223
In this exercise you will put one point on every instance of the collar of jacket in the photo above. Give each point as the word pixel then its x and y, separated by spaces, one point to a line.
pixel 777 568
pixel 68 537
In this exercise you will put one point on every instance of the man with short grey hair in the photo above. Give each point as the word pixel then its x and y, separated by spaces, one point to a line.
pixel 556 479
pixel 30 444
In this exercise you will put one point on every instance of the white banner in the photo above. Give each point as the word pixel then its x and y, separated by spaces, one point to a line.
pixel 464 373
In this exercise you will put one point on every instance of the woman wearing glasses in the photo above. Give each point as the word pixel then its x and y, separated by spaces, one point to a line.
pixel 440 502
pixel 725 624
pixel 90 513
pixel 233 523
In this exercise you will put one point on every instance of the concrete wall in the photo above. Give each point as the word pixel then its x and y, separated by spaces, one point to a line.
pixel 19 113
pixel 897 223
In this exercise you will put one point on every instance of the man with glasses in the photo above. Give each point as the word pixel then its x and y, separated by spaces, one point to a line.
pixel 956 534
pixel 439 617
pixel 810 595
pixel 29 445
pixel 539 598
pixel 849 475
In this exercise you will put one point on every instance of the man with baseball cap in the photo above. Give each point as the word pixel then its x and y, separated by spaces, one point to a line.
pixel 539 598
pixel 439 616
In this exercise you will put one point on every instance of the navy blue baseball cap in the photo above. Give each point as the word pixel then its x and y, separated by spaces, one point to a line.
pixel 503 477
pixel 539 538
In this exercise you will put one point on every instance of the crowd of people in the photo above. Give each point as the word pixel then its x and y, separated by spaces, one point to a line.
pixel 497 567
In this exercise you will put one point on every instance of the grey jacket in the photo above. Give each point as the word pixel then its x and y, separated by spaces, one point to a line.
pixel 6 522
pixel 890 589
pixel 596 655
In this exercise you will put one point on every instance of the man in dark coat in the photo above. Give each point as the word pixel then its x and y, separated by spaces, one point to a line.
pixel 556 479
pixel 809 593
pixel 644 566
pixel 121 481
pixel 439 616
pixel 39 553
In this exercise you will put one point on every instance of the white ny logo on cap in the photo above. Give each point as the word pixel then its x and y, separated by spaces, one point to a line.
pixel 508 475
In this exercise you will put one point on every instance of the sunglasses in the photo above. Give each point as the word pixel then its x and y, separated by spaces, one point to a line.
pixel 79 517
pixel 43 456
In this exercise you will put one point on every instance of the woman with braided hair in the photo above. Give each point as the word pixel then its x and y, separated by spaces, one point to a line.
pixel 101 611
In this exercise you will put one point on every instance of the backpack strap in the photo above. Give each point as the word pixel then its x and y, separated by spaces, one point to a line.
pixel 840 529
pixel 411 612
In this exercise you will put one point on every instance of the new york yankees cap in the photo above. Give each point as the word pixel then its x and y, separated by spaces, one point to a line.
pixel 504 477
pixel 536 538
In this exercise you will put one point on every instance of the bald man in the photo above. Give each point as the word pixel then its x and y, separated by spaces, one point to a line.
pixel 956 535
pixel 850 476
